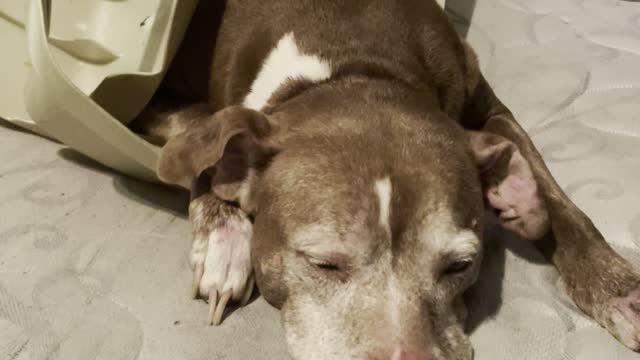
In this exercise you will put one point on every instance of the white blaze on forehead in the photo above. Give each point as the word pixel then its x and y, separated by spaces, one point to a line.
pixel 285 62
pixel 383 190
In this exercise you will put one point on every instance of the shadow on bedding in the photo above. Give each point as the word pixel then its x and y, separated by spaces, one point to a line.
pixel 157 196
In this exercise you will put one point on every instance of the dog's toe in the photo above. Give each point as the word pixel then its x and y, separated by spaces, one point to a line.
pixel 625 319
pixel 198 271
pixel 217 304
pixel 222 269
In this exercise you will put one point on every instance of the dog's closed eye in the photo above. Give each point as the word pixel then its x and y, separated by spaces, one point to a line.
pixel 457 266
pixel 335 266
pixel 323 265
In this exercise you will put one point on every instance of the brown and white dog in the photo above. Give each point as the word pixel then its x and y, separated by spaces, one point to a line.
pixel 344 153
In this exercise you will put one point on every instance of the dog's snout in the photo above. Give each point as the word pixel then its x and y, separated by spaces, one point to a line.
pixel 403 353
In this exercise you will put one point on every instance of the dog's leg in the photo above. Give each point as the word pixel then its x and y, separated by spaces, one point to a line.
pixel 601 282
pixel 220 252
pixel 166 116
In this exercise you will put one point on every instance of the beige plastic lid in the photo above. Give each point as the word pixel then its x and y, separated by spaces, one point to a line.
pixel 88 68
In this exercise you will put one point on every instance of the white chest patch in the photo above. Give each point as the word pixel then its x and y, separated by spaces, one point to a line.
pixel 284 62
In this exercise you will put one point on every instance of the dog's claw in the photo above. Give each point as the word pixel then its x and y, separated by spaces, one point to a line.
pixel 625 319
pixel 248 291
pixel 213 302
pixel 220 254
pixel 222 304
pixel 197 276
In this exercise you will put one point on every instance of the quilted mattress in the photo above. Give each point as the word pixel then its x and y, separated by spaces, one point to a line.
pixel 93 265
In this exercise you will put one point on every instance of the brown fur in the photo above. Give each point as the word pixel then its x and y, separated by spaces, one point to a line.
pixel 403 90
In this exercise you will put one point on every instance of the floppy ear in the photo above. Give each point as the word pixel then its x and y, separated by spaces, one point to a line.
pixel 509 186
pixel 225 145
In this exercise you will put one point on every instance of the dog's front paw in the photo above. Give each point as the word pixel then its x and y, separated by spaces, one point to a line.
pixel 624 320
pixel 220 255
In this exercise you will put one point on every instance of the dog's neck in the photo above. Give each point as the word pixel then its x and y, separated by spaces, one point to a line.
pixel 354 97
pixel 287 72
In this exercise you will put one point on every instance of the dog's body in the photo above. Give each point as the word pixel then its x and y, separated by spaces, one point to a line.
pixel 365 141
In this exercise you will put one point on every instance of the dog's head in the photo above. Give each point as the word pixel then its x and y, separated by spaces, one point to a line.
pixel 368 218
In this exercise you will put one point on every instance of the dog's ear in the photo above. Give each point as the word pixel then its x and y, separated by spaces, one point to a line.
pixel 509 185
pixel 226 146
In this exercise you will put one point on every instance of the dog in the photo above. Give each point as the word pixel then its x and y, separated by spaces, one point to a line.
pixel 342 155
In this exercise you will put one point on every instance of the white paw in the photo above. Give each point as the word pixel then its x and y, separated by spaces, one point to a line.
pixel 221 260
pixel 625 319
